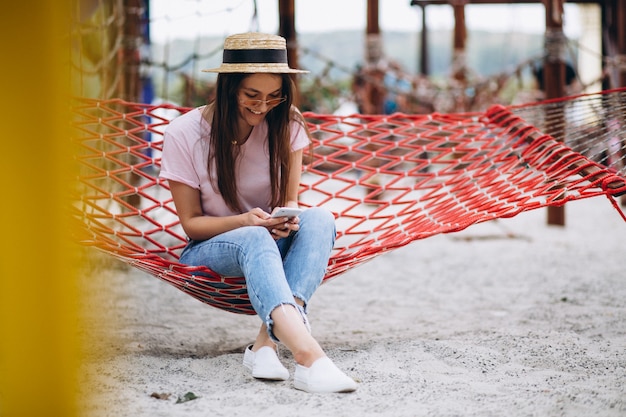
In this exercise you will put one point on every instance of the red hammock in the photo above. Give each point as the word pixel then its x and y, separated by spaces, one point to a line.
pixel 389 180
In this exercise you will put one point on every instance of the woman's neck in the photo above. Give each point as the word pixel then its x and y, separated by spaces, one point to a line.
pixel 243 133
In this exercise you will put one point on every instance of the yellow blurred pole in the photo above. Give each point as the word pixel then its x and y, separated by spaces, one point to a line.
pixel 38 291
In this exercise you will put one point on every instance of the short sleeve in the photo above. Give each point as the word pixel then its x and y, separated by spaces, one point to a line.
pixel 299 137
pixel 181 148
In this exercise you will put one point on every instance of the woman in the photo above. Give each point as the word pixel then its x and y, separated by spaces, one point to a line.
pixel 231 164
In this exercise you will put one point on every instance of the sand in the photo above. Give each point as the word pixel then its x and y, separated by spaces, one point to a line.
pixel 507 318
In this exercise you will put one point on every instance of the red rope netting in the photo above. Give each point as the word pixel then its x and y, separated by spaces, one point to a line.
pixel 389 180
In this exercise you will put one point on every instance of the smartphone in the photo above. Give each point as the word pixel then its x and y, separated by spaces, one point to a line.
pixel 289 212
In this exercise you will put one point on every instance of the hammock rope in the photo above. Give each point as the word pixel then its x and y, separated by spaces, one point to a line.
pixel 389 180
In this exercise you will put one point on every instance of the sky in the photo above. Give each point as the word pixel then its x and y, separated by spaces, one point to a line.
pixel 171 19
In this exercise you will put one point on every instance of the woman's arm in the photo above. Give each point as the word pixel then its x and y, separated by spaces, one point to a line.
pixel 197 226
pixel 293 185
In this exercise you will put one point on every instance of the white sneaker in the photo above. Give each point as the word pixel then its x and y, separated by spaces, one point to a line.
pixel 264 364
pixel 322 376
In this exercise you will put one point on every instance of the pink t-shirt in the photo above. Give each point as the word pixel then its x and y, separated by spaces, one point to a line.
pixel 186 152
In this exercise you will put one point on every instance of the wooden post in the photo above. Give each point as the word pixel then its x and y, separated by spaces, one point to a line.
pixel 459 65
pixel 375 74
pixel 620 40
pixel 373 41
pixel 554 80
pixel 287 29
pixel 614 46
pixel 373 28
pixel 130 57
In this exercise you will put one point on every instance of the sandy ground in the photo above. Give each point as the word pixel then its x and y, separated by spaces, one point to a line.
pixel 507 318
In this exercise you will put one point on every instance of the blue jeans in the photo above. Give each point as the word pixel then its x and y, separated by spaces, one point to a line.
pixel 275 271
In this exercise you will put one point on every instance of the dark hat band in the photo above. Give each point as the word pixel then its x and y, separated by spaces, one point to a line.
pixel 255 56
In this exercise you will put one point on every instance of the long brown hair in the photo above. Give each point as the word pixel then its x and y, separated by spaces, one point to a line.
pixel 223 113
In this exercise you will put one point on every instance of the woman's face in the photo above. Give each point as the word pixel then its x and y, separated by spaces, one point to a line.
pixel 258 94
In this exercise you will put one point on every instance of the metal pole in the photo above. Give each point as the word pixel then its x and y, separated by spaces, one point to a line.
pixel 424 64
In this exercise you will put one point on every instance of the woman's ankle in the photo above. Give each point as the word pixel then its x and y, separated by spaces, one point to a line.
pixel 307 357
pixel 256 346
pixel 262 340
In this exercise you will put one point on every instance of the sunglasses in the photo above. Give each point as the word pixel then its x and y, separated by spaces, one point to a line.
pixel 257 103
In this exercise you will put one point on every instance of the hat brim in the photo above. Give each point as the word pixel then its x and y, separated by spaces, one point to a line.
pixel 253 68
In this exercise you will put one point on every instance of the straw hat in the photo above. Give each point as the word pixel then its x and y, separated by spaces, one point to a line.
pixel 255 52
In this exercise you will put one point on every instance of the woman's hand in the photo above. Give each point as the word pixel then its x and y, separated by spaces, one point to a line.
pixel 281 227
pixel 278 227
